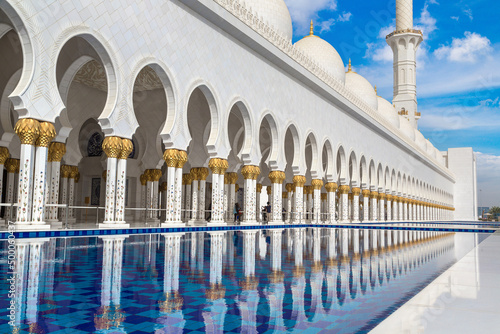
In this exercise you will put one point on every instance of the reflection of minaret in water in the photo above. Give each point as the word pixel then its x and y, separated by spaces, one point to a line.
pixel 171 304
pixel 216 308
pixel 275 292
pixel 109 316
pixel 299 281
pixel 248 300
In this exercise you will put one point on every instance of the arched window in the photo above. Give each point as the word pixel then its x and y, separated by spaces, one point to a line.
pixel 94 147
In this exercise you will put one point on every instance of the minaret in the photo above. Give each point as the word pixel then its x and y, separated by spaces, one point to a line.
pixel 404 43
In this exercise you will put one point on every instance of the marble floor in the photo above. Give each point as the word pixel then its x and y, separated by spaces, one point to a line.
pixel 464 299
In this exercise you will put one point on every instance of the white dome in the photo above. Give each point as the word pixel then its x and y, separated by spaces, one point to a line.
pixel 407 129
pixel 386 109
pixel 275 13
pixel 324 54
pixel 362 88
pixel 420 140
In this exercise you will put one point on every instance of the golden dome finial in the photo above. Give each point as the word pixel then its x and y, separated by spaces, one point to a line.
pixel 311 31
pixel 349 67
pixel 376 90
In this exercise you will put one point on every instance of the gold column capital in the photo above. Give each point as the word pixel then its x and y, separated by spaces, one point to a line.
pixel 12 165
pixel 187 179
pixel 344 189
pixel 381 196
pixel 202 173
pixel 47 133
pixel 299 180
pixel 56 151
pixel 324 196
pixel 194 174
pixel 182 158
pixel 218 166
pixel 284 194
pixel 77 177
pixel 356 191
pixel 250 172
pixel 143 178
pixel 112 146
pixel 4 155
pixel 232 178
pixel 127 148
pixel 269 190
pixel 156 175
pixel 373 194
pixel 73 171
pixel 164 186
pixel 28 130
pixel 171 157
pixel 277 176
pixel 317 184
pixel 65 171
pixel 259 187
pixel 366 193
pixel 389 197
pixel 289 187
pixel 331 187
pixel 236 187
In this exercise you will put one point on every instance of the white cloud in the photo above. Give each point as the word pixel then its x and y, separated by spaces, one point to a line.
pixel 328 24
pixel 488 179
pixel 426 22
pixel 465 50
pixel 468 13
pixel 303 11
pixel 456 18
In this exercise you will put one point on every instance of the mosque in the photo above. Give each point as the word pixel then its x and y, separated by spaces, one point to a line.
pixel 170 112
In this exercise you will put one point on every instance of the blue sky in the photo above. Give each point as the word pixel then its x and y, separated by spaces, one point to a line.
pixel 458 67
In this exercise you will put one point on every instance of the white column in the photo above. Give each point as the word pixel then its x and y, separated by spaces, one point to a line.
pixel 366 205
pixel 298 216
pixel 405 209
pixel 355 204
pixel 317 184
pixel 178 196
pixel 401 208
pixel 4 155
pixel 389 207
pixel 310 203
pixel 195 194
pixel 25 185
pixel 289 199
pixel 121 180
pixel 331 187
pixel 65 171
pixel 112 146
pixel 143 180
pixel 218 167
pixel 374 211
pixel 187 196
pixel 227 209
pixel 258 210
pixel 344 210
pixel 71 192
pixel 40 189
pixel 201 194
pixel 250 174
pixel 12 166
pixel 381 206
pixel 170 212
pixel 277 178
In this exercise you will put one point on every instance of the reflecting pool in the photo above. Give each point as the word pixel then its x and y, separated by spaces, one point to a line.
pixel 254 281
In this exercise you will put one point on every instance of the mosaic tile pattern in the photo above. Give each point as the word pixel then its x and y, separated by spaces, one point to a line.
pixel 313 280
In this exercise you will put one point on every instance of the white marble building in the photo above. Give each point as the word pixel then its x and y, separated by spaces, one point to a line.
pixel 175 104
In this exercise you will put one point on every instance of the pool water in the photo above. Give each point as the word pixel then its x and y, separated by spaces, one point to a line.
pixel 312 280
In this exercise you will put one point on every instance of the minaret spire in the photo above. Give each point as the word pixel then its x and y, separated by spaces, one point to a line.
pixel 311 31
pixel 404 42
